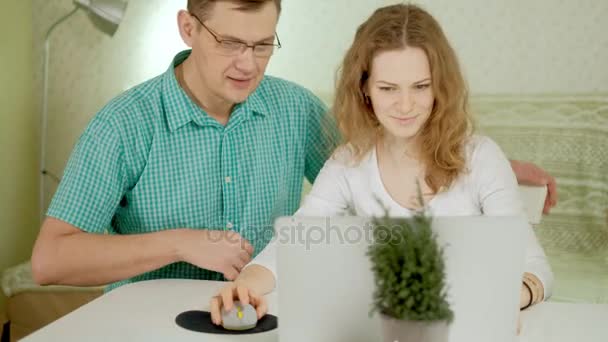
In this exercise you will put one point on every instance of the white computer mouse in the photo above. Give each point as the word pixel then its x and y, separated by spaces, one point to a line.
pixel 240 317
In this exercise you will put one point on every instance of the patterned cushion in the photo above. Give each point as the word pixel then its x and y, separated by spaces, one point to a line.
pixel 568 137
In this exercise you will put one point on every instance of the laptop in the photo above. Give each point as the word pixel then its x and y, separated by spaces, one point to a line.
pixel 325 283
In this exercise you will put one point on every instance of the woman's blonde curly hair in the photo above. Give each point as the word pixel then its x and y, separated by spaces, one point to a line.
pixel 442 138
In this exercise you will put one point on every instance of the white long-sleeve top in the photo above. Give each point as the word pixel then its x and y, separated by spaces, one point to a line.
pixel 488 187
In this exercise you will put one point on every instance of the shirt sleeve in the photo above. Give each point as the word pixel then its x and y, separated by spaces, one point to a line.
pixel 330 194
pixel 498 195
pixel 321 136
pixel 94 180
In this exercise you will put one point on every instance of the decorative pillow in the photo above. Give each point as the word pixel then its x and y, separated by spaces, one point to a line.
pixel 568 137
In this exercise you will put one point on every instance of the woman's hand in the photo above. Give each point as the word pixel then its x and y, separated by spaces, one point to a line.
pixel 531 293
pixel 525 297
pixel 518 323
pixel 233 291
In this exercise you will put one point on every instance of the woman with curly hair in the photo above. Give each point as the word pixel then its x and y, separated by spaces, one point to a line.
pixel 402 109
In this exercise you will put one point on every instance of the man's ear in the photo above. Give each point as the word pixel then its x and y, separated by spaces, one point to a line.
pixel 188 28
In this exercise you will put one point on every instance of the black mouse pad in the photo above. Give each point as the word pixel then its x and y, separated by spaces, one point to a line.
pixel 200 321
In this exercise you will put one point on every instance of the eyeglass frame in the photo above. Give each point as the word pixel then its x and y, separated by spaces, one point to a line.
pixel 242 45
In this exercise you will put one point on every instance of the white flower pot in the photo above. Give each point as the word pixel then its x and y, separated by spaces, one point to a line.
pixel 395 330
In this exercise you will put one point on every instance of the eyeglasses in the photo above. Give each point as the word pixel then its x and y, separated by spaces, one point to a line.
pixel 229 47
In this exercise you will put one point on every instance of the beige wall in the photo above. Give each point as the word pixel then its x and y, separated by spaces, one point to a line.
pixel 18 136
pixel 88 68
pixel 527 46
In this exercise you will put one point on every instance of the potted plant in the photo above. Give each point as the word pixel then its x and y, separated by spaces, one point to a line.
pixel 410 289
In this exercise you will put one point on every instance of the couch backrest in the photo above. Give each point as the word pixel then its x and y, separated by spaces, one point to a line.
pixel 568 137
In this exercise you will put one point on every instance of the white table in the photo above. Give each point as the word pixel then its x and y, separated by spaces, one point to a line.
pixel 146 311
pixel 556 322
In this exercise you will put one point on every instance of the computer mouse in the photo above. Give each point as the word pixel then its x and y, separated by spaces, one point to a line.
pixel 240 317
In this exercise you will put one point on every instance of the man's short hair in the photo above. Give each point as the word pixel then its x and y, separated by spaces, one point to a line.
pixel 201 8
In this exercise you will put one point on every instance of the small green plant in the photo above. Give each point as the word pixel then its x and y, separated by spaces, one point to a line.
pixel 408 269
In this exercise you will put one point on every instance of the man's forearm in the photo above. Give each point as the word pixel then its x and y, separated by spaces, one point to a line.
pixel 86 259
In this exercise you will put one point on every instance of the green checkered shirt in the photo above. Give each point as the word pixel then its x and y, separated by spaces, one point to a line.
pixel 152 160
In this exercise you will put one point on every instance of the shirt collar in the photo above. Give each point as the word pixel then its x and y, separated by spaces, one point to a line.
pixel 181 110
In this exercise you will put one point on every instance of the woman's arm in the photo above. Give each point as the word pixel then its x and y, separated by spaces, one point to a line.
pixel 498 193
pixel 330 194
pixel 329 197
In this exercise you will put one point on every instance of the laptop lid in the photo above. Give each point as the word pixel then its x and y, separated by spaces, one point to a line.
pixel 326 284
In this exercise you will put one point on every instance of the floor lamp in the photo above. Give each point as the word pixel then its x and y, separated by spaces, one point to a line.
pixel 106 15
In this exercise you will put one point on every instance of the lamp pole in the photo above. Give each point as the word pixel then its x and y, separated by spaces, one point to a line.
pixel 111 12
pixel 44 115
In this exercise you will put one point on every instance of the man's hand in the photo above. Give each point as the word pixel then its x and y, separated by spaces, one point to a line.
pixel 225 299
pixel 530 174
pixel 226 252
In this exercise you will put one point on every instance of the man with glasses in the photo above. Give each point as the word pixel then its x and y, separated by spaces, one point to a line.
pixel 182 176
pixel 187 171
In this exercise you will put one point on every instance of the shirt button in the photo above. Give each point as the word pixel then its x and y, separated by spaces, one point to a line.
pixel 229 225
pixel 228 179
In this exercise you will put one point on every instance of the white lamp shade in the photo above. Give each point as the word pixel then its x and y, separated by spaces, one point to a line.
pixel 109 13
